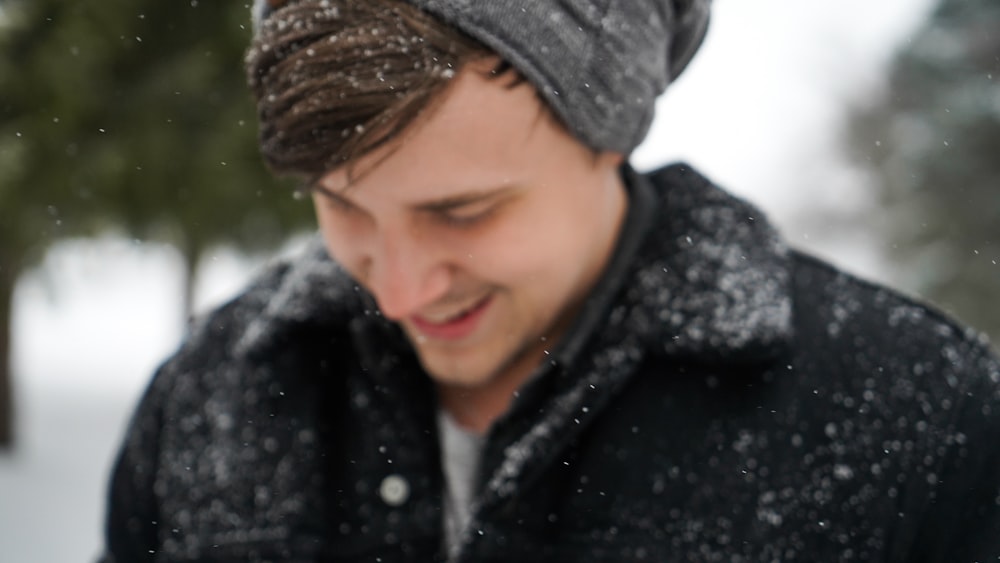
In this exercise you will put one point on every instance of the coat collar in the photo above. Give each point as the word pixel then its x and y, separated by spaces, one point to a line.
pixel 712 281
pixel 698 274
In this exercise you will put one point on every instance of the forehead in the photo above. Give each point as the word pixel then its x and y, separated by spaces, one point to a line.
pixel 480 133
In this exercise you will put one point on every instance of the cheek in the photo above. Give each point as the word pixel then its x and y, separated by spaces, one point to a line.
pixel 528 249
pixel 337 239
pixel 328 231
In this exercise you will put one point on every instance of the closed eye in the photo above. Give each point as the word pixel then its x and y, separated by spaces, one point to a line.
pixel 468 210
pixel 465 215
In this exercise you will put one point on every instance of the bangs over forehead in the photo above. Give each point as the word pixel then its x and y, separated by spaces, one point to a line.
pixel 336 79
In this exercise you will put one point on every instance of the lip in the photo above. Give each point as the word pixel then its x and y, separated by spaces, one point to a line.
pixel 455 328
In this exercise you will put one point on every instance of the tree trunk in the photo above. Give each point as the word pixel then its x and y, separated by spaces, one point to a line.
pixel 8 275
pixel 192 256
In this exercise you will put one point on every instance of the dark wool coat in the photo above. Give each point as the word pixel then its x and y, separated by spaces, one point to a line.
pixel 720 398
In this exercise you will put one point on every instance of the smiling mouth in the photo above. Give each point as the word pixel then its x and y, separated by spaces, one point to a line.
pixel 451 317
pixel 454 326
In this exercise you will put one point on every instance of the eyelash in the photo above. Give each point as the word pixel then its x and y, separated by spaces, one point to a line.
pixel 443 216
pixel 465 220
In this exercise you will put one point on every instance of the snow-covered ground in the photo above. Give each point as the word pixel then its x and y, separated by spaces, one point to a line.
pixel 759 111
pixel 90 325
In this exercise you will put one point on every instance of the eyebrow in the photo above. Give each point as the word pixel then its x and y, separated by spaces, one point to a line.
pixel 326 192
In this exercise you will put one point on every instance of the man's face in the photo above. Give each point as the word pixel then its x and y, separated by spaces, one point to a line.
pixel 479 232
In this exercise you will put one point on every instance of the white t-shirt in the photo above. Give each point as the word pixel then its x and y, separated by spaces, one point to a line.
pixel 460 453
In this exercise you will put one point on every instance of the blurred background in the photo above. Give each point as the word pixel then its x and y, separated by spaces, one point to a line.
pixel 131 193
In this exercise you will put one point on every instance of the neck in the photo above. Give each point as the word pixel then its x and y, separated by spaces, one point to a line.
pixel 476 408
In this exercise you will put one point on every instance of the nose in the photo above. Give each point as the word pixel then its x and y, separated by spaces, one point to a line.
pixel 404 275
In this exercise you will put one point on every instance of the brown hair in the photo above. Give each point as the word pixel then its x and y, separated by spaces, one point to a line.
pixel 337 79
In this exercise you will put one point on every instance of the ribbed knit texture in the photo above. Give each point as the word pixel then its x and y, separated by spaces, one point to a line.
pixel 600 64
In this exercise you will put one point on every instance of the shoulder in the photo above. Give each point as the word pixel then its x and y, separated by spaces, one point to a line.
pixel 845 312
pixel 256 366
pixel 290 298
pixel 252 389
pixel 922 390
pixel 921 380
pixel 292 317
pixel 728 268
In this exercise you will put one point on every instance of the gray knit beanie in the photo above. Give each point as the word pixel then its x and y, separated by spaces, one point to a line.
pixel 600 64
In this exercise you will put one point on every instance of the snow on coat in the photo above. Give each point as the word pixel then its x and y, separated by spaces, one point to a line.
pixel 720 398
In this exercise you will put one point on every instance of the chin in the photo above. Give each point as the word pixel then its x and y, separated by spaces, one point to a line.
pixel 454 374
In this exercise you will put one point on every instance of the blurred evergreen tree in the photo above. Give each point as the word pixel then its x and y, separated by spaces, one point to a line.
pixel 933 145
pixel 133 116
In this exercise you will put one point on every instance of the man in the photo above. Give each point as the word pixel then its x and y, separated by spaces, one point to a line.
pixel 511 347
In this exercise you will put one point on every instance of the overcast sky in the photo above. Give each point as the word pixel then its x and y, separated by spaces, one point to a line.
pixel 771 84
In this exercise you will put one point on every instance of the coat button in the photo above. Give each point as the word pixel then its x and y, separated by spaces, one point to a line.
pixel 394 490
